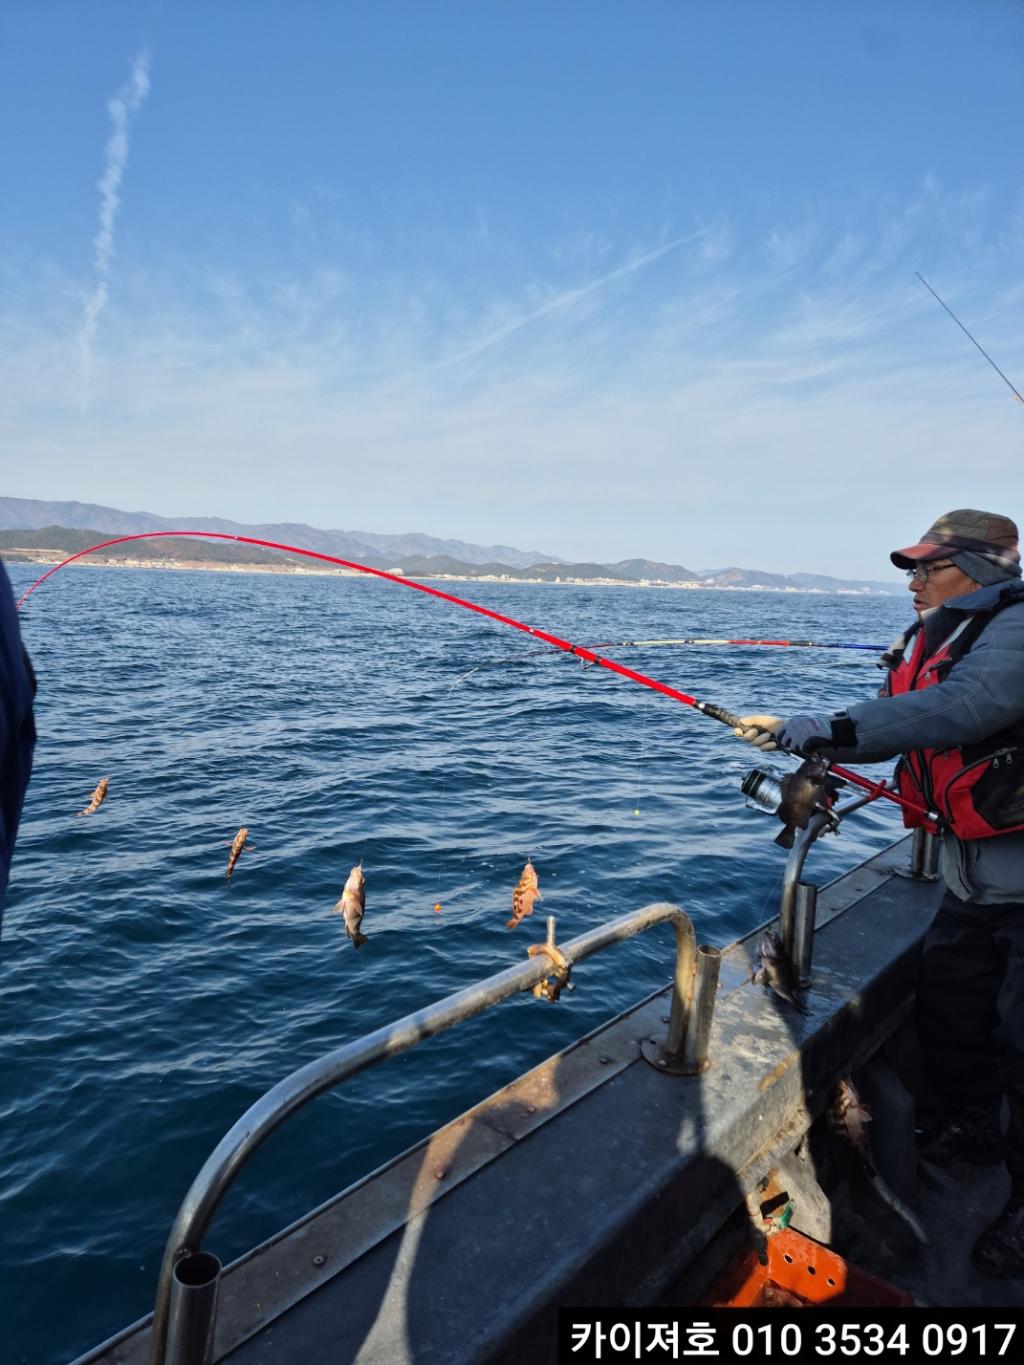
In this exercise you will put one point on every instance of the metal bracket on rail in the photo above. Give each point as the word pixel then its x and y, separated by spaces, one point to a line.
pixel 558 980
pixel 798 901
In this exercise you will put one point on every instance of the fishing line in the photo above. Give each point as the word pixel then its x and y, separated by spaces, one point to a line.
pixel 640 768
pixel 773 891
pixel 706 708
pixel 440 847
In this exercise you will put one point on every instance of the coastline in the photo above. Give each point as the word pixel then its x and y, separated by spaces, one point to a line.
pixel 49 558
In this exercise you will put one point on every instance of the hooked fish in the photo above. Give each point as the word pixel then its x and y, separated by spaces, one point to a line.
pixel 811 788
pixel 237 844
pixel 527 891
pixel 776 971
pixel 352 904
pixel 98 796
pixel 848 1116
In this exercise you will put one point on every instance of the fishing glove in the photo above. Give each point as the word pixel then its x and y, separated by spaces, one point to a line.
pixel 804 734
pixel 798 734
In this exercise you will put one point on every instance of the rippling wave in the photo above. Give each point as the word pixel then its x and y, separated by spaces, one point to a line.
pixel 147 1003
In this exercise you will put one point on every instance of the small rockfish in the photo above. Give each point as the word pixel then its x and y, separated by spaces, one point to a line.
pixel 809 790
pixel 352 905
pixel 849 1116
pixel 237 844
pixel 98 796
pixel 527 891
pixel 776 971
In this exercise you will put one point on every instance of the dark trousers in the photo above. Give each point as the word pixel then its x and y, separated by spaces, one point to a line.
pixel 970 1012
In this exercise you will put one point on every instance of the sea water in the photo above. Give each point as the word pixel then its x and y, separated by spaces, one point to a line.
pixel 146 1003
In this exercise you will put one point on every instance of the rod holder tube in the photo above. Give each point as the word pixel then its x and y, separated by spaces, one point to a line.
pixel 924 856
pixel 702 1008
pixel 195 1282
pixel 917 852
pixel 791 880
pixel 682 986
pixel 805 904
pixel 793 870
pixel 930 864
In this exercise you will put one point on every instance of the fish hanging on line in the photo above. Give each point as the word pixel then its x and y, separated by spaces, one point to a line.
pixel 848 1117
pixel 98 797
pixel 237 844
pixel 527 891
pixel 776 971
pixel 352 904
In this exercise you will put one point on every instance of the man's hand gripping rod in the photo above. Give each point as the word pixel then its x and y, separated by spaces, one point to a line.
pixel 735 722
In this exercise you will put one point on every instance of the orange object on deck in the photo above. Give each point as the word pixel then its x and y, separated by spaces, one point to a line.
pixel 801 1273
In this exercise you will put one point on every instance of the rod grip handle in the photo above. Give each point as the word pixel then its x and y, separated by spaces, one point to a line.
pixel 720 713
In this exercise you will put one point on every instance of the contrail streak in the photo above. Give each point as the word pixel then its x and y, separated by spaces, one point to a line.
pixel 125 104
pixel 567 299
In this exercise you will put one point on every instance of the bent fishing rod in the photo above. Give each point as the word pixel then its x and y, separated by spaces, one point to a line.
pixel 967 334
pixel 589 656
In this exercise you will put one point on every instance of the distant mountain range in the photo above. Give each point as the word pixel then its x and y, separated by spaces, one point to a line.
pixel 32 524
pixel 365 546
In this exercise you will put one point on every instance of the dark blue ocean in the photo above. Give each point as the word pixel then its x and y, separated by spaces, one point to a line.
pixel 145 1004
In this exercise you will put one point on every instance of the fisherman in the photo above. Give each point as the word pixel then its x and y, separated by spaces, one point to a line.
pixel 17 728
pixel 953 706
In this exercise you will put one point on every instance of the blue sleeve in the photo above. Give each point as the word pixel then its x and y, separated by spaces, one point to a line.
pixel 982 694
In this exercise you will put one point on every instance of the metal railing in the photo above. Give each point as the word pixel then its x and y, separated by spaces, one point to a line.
pixel 184 1315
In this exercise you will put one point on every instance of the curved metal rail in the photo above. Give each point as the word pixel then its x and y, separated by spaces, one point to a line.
pixel 185 1309
pixel 798 899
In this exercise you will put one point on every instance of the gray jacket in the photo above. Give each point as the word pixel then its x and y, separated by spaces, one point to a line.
pixel 982 694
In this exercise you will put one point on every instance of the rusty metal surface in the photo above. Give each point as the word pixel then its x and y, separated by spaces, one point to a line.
pixel 592 1161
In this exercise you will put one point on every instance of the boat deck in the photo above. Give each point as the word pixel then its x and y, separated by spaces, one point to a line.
pixel 595 1180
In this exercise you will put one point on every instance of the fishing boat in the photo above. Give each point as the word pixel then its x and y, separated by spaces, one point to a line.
pixel 678 1155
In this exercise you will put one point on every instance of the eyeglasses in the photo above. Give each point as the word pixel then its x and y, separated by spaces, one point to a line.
pixel 921 573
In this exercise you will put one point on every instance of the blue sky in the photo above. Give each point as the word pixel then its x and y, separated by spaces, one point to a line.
pixel 605 279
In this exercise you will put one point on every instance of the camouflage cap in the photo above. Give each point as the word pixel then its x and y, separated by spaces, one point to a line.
pixel 964 529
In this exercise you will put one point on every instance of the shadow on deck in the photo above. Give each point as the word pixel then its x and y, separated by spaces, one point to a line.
pixel 596 1181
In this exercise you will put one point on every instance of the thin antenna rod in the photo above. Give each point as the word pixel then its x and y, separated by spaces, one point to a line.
pixel 968 335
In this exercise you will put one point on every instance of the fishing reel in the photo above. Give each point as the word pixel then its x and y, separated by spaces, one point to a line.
pixel 795 797
pixel 763 790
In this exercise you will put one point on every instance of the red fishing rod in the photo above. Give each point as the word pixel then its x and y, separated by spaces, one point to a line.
pixel 706 708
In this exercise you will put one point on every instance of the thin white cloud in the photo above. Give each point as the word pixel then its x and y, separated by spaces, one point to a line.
pixel 566 300
pixel 124 105
pixel 313 396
